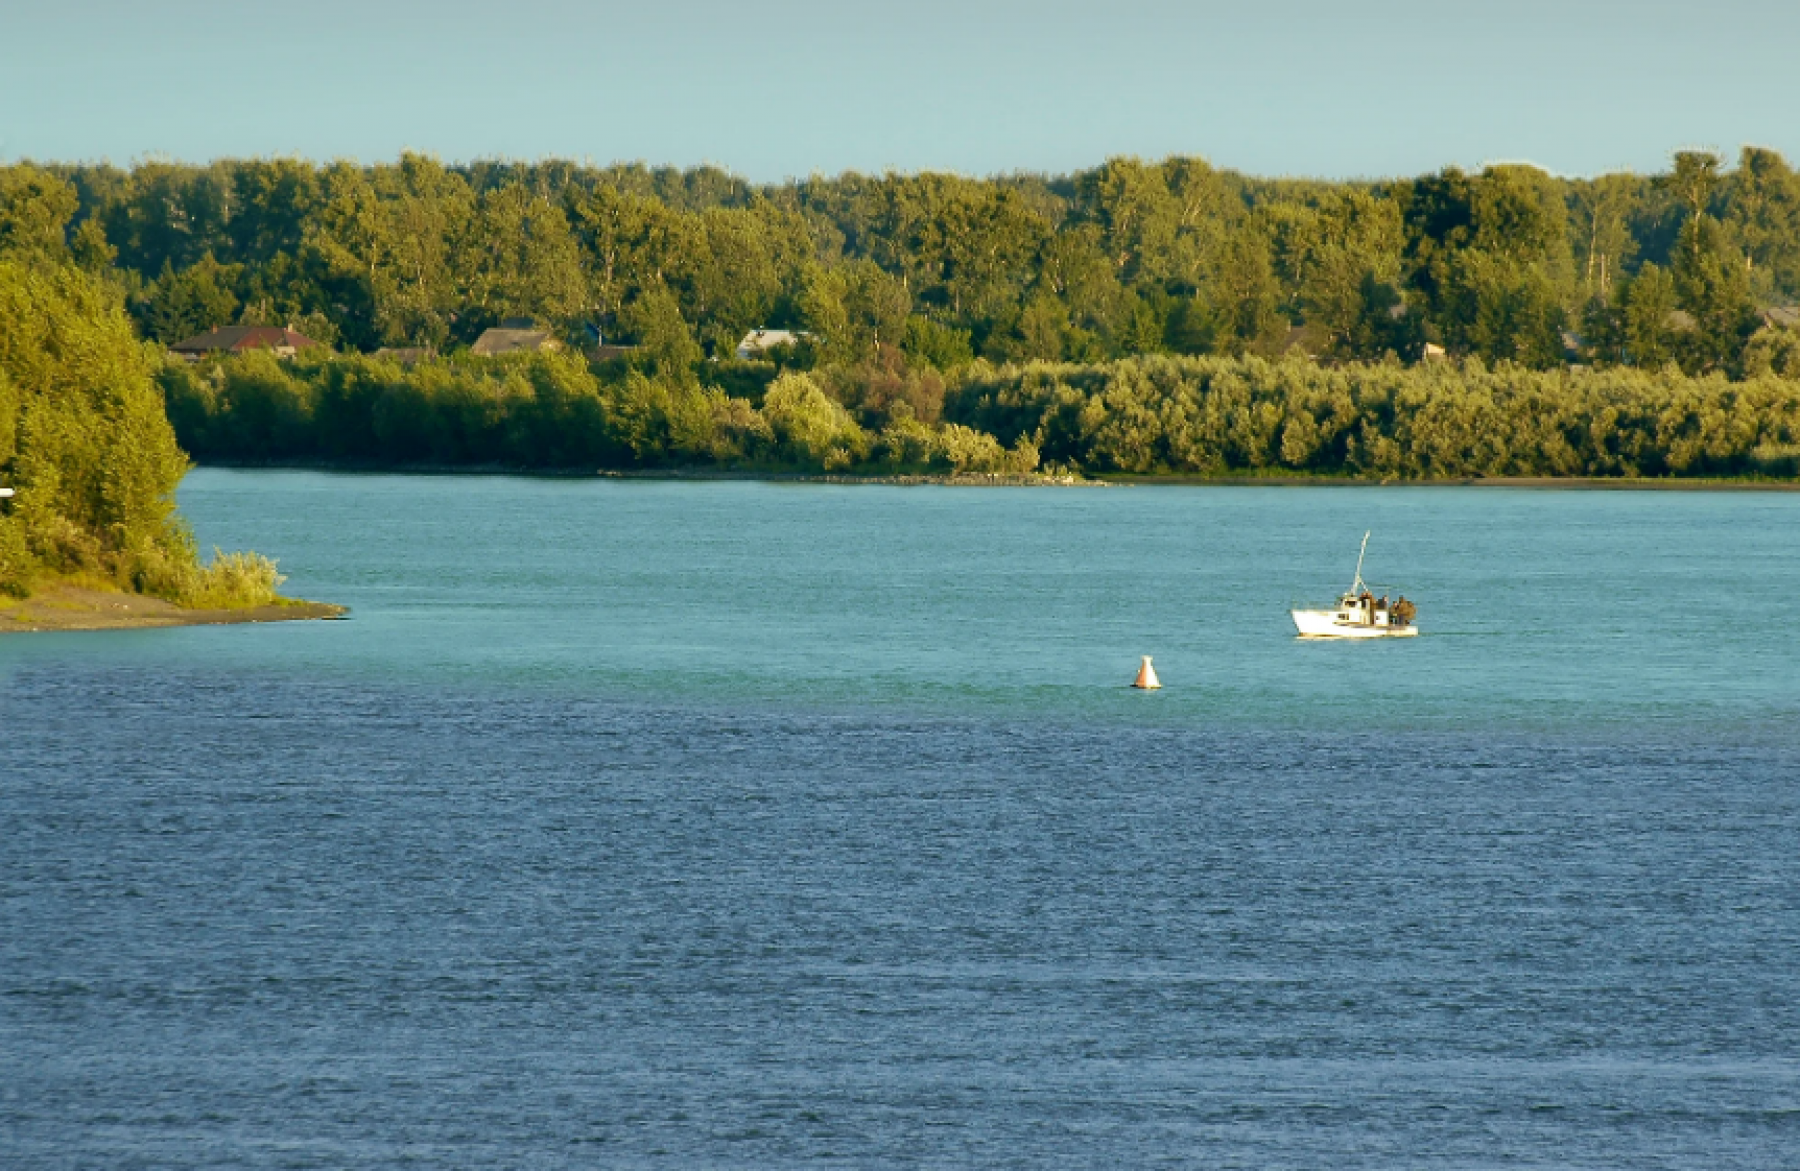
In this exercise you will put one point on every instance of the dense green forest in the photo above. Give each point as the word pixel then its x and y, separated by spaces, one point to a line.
pixel 1138 316
pixel 1128 258
pixel 86 444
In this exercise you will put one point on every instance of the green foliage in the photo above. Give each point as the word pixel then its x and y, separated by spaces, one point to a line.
pixel 179 305
pixel 93 456
pixel 17 566
pixel 234 581
pixel 1712 286
pixel 35 209
pixel 1773 351
pixel 530 410
pixel 1600 229
pixel 968 451
pixel 11 402
pixel 1339 261
pixel 1130 257
pixel 887 388
pixel 1649 301
pixel 809 428
pixel 663 338
pixel 1762 200
pixel 1123 318
pixel 1153 414
pixel 936 344
pixel 1216 416
pixel 854 309
pixel 85 441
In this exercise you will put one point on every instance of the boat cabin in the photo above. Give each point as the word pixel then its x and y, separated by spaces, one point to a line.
pixel 1366 610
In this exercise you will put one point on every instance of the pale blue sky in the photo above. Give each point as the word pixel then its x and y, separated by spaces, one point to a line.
pixel 793 87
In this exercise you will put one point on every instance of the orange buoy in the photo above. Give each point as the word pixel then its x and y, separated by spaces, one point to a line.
pixel 1147 676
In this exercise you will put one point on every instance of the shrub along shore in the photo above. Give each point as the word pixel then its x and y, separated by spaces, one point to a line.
pixel 1158 415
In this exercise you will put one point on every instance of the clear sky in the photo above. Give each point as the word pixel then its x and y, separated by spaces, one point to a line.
pixel 793 87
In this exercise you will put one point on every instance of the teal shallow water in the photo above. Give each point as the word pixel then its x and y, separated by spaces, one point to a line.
pixel 1553 611
pixel 754 825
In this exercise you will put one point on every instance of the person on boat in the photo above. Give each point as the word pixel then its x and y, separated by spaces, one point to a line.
pixel 1404 610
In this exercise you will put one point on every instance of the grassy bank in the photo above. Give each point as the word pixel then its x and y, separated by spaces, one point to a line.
pixel 88 605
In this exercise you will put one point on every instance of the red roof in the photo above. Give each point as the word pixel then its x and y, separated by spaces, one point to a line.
pixel 235 339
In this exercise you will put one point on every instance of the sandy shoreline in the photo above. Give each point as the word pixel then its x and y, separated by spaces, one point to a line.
pixel 71 607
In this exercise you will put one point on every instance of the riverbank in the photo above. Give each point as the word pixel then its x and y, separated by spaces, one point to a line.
pixel 1060 480
pixel 365 467
pixel 77 607
pixel 1567 483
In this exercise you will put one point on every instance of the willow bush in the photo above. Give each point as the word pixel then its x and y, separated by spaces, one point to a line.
pixel 232 581
pixel 1385 421
pixel 554 411
pixel 1144 416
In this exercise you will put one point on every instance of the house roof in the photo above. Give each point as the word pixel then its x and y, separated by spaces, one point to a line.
pixel 513 341
pixel 1784 316
pixel 236 339
pixel 758 340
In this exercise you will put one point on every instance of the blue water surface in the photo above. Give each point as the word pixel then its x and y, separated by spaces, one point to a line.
pixel 760 825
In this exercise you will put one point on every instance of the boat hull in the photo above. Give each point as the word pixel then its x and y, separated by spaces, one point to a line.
pixel 1324 624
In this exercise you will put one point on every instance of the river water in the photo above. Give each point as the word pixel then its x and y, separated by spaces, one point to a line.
pixel 761 825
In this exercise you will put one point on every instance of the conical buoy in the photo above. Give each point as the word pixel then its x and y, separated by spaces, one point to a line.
pixel 1147 676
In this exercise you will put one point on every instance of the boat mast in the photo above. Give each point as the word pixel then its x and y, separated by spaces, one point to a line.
pixel 1356 587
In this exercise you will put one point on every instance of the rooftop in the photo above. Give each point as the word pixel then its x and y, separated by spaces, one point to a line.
pixel 236 339
pixel 760 340
pixel 513 341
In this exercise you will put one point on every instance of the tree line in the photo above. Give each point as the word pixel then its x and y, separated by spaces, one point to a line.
pixel 1148 415
pixel 1134 318
pixel 1128 258
pixel 558 411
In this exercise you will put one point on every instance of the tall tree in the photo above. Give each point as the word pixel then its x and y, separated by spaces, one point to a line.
pixel 518 258
pixel 199 298
pixel 91 451
pixel 855 309
pixel 1600 220
pixel 35 209
pixel 1712 286
pixel 1763 198
pixel 392 240
pixel 1335 257
pixel 1139 218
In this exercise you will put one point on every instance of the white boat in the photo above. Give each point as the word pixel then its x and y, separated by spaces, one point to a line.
pixel 1359 614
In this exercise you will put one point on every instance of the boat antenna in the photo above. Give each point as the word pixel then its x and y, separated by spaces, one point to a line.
pixel 1356 587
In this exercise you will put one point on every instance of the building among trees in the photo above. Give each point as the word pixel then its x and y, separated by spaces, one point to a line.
pixel 758 342
pixel 282 341
pixel 515 335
